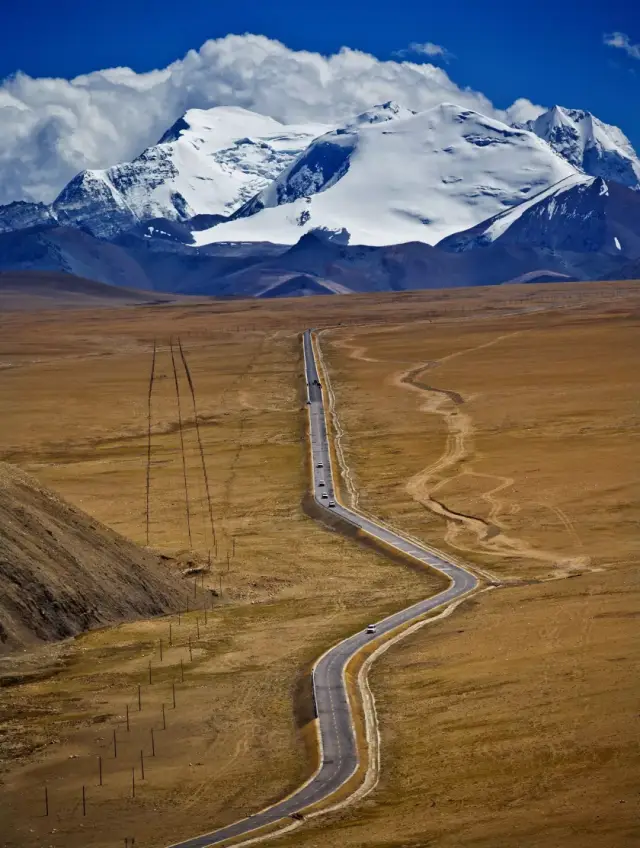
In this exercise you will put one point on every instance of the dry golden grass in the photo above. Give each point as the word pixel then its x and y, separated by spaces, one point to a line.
pixel 511 441
pixel 514 722
pixel 240 736
pixel 73 394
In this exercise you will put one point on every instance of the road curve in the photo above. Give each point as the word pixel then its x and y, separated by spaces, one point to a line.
pixel 339 754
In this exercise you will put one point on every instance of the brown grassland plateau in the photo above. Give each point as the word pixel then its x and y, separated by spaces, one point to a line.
pixel 496 424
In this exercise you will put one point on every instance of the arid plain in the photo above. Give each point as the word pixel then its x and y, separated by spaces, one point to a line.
pixel 496 424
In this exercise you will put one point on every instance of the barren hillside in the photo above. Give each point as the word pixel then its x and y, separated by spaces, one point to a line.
pixel 61 572
pixel 30 290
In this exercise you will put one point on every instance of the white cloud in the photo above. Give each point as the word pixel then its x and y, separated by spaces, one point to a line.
pixel 523 110
pixel 52 128
pixel 622 41
pixel 427 48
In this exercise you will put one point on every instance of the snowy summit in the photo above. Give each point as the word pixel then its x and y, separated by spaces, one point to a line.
pixel 416 177
pixel 592 146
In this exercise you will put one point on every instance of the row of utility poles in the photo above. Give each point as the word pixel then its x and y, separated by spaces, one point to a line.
pixel 138 773
pixel 117 739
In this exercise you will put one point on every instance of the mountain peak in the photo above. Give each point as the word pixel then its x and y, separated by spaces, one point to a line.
pixel 598 149
pixel 419 178
pixel 385 112
pixel 175 131
pixel 389 111
pixel 209 162
pixel 220 125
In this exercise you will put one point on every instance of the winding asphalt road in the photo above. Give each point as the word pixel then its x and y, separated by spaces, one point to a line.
pixel 336 732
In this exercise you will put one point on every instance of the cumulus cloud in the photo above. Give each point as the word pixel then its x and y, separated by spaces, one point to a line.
pixel 523 110
pixel 427 48
pixel 622 41
pixel 52 128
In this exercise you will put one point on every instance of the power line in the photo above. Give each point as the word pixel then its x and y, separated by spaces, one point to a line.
pixel 184 461
pixel 204 465
pixel 151 378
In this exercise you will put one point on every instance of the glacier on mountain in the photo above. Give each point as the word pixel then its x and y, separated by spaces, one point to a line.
pixel 418 177
pixel 208 163
pixel 214 205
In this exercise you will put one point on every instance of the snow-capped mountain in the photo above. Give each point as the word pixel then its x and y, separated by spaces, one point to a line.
pixel 388 111
pixel 598 149
pixel 580 214
pixel 209 163
pixel 214 206
pixel 419 177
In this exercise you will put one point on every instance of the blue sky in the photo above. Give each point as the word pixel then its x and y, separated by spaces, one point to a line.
pixel 548 51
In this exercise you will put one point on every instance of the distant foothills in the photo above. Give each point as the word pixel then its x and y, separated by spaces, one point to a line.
pixel 232 203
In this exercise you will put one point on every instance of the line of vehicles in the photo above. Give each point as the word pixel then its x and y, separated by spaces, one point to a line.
pixel 371 628
pixel 324 496
pixel 314 383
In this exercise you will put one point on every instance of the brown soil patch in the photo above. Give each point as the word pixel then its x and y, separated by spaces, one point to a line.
pixel 62 572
